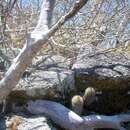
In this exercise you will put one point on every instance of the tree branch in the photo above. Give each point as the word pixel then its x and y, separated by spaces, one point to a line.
pixel 67 119
pixel 35 40
pixel 77 6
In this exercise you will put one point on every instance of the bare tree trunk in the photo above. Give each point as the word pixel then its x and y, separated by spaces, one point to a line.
pixel 35 40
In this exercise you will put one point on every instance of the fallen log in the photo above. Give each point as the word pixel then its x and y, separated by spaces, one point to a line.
pixel 69 120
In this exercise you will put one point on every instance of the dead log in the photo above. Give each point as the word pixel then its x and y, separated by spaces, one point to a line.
pixel 69 120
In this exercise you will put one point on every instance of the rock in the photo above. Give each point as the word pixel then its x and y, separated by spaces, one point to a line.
pixel 25 123
pixel 51 62
pixel 108 72
pixel 99 66
pixel 51 78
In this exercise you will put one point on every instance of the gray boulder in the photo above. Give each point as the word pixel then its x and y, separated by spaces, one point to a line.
pixel 106 71
pixel 49 78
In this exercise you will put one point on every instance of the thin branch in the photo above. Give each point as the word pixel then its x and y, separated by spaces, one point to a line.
pixel 77 6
